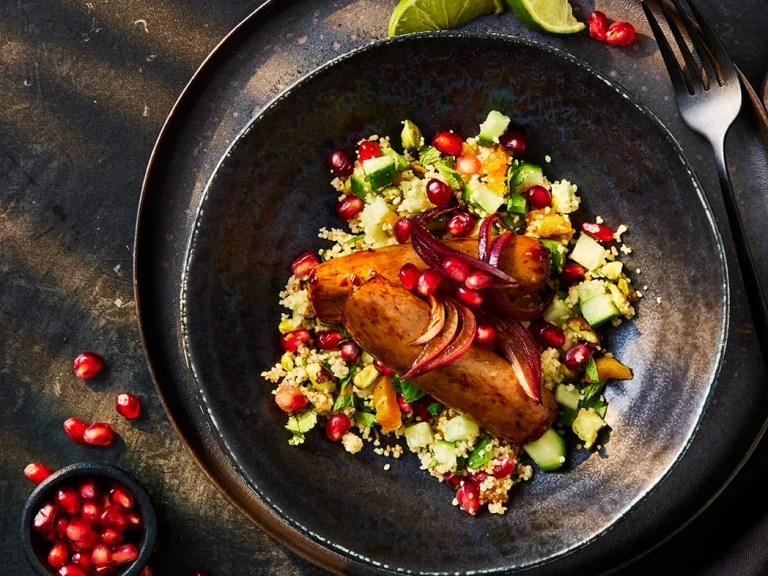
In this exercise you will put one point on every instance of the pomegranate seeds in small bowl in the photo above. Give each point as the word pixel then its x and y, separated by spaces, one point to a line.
pixel 89 518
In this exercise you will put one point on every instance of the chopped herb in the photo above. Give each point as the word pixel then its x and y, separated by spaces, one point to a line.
pixel 354 239
pixel 454 178
pixel 429 155
pixel 566 416
pixel 516 203
pixel 299 424
pixel 591 397
pixel 344 401
pixel 434 408
pixel 366 418
pixel 348 378
pixel 481 454
pixel 591 370
pixel 410 392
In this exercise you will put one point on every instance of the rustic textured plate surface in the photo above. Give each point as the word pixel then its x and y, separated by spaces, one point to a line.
pixel 269 197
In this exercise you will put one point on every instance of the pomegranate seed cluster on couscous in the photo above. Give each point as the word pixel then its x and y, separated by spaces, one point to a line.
pixel 529 288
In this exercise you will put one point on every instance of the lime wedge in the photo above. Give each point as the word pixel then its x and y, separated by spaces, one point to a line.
pixel 424 15
pixel 547 15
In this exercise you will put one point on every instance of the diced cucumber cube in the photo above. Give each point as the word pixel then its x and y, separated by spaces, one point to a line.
pixel 445 455
pixel 567 395
pixel 548 452
pixel 523 177
pixel 380 171
pixel 599 310
pixel 360 186
pixel 480 196
pixel 374 216
pixel 516 203
pixel 494 126
pixel 589 289
pixel 418 436
pixel 461 428
pixel 588 252
pixel 400 162
pixel 586 426
pixel 558 312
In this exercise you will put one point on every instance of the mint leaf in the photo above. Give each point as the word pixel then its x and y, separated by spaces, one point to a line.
pixel 429 155
pixel 302 422
pixel 454 178
pixel 591 370
pixel 591 397
pixel 434 408
pixel 344 401
pixel 366 418
pixel 410 392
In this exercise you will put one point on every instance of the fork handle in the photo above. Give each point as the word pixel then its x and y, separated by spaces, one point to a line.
pixel 755 294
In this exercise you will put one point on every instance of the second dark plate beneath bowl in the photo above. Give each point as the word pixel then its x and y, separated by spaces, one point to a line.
pixel 269 197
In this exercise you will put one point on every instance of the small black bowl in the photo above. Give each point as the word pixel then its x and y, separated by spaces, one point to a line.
pixel 36 547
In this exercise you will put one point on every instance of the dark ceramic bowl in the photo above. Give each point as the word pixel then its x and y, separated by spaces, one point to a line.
pixel 271 194
pixel 36 547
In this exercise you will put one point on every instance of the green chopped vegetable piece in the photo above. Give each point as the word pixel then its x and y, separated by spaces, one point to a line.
pixel 344 401
pixel 434 408
pixel 429 155
pixel 516 203
pixel 548 452
pixel 494 126
pixel 592 397
pixel 380 171
pixel 410 392
pixel 366 418
pixel 586 426
pixel 566 416
pixel 514 221
pixel 591 371
pixel 400 162
pixel 445 455
pixel 599 310
pixel 299 424
pixel 418 436
pixel 567 395
pixel 360 187
pixel 481 453
pixel 411 136
pixel 461 428
pixel 588 252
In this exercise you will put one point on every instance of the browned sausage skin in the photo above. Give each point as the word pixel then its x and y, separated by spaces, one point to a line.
pixel 525 259
pixel 384 317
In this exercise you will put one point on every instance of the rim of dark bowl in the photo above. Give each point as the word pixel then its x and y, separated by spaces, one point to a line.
pixel 33 544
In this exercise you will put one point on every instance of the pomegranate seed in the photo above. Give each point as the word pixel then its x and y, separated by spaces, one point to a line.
pixel 290 399
pixel 88 490
pixel 405 408
pixel 121 496
pixel 478 476
pixel 110 537
pixel 50 535
pixel 460 224
pixel 58 554
pixel 467 164
pixel 485 335
pixel 403 229
pixel 504 467
pixel 386 370
pixel 576 356
pixel 428 282
pixel 515 142
pixel 82 559
pixel 349 207
pixel 337 426
pixel 75 428
pixel 98 433
pixel 291 340
pixel 339 163
pixel 572 274
pixel 146 571
pixel 329 339
pixel 127 405
pixel 409 276
pixel 113 516
pixel 109 570
pixel 620 34
pixel 78 529
pixel 478 280
pixel 86 365
pixel 539 197
pixel 70 570
pixel 456 268
pixel 124 553
pixel 368 149
pixel 598 231
pixel 598 25
pixel 90 511
pixel 68 499
pixel 420 408
pixel 304 264
pixel 438 192
pixel 468 496
pixel 61 526
pixel 350 351
pixel 471 298
pixel 101 555
pixel 45 519
pixel 551 336
pixel 453 480
pixel 134 520
pixel 448 143
pixel 37 472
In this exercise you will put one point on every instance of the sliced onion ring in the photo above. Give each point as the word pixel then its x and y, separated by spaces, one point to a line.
pixel 501 304
pixel 522 352
pixel 438 343
pixel 498 248
pixel 484 236
pixel 436 321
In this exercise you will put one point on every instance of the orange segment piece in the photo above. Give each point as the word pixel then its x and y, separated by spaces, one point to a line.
pixel 385 404
pixel 550 225
pixel 496 169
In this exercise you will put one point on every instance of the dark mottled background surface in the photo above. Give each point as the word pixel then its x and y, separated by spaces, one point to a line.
pixel 84 89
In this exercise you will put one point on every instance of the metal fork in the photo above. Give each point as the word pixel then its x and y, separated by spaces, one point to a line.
pixel 708 94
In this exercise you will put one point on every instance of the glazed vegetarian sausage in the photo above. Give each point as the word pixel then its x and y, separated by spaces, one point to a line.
pixel 525 259
pixel 384 317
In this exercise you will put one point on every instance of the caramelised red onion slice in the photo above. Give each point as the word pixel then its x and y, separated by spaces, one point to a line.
pixel 498 248
pixel 522 352
pixel 501 304
pixel 436 321
pixel 439 343
pixel 484 236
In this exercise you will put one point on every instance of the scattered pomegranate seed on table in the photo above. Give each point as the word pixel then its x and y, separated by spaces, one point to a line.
pixel 75 429
pixel 37 472
pixel 620 34
pixel 340 164
pixel 368 149
pixel 127 405
pixel 438 192
pixel 597 231
pixel 598 25
pixel 402 229
pixel 349 207
pixel 98 433
pixel 448 143
pixel 460 224
pixel 337 426
pixel 304 264
pixel 86 365
pixel 290 399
